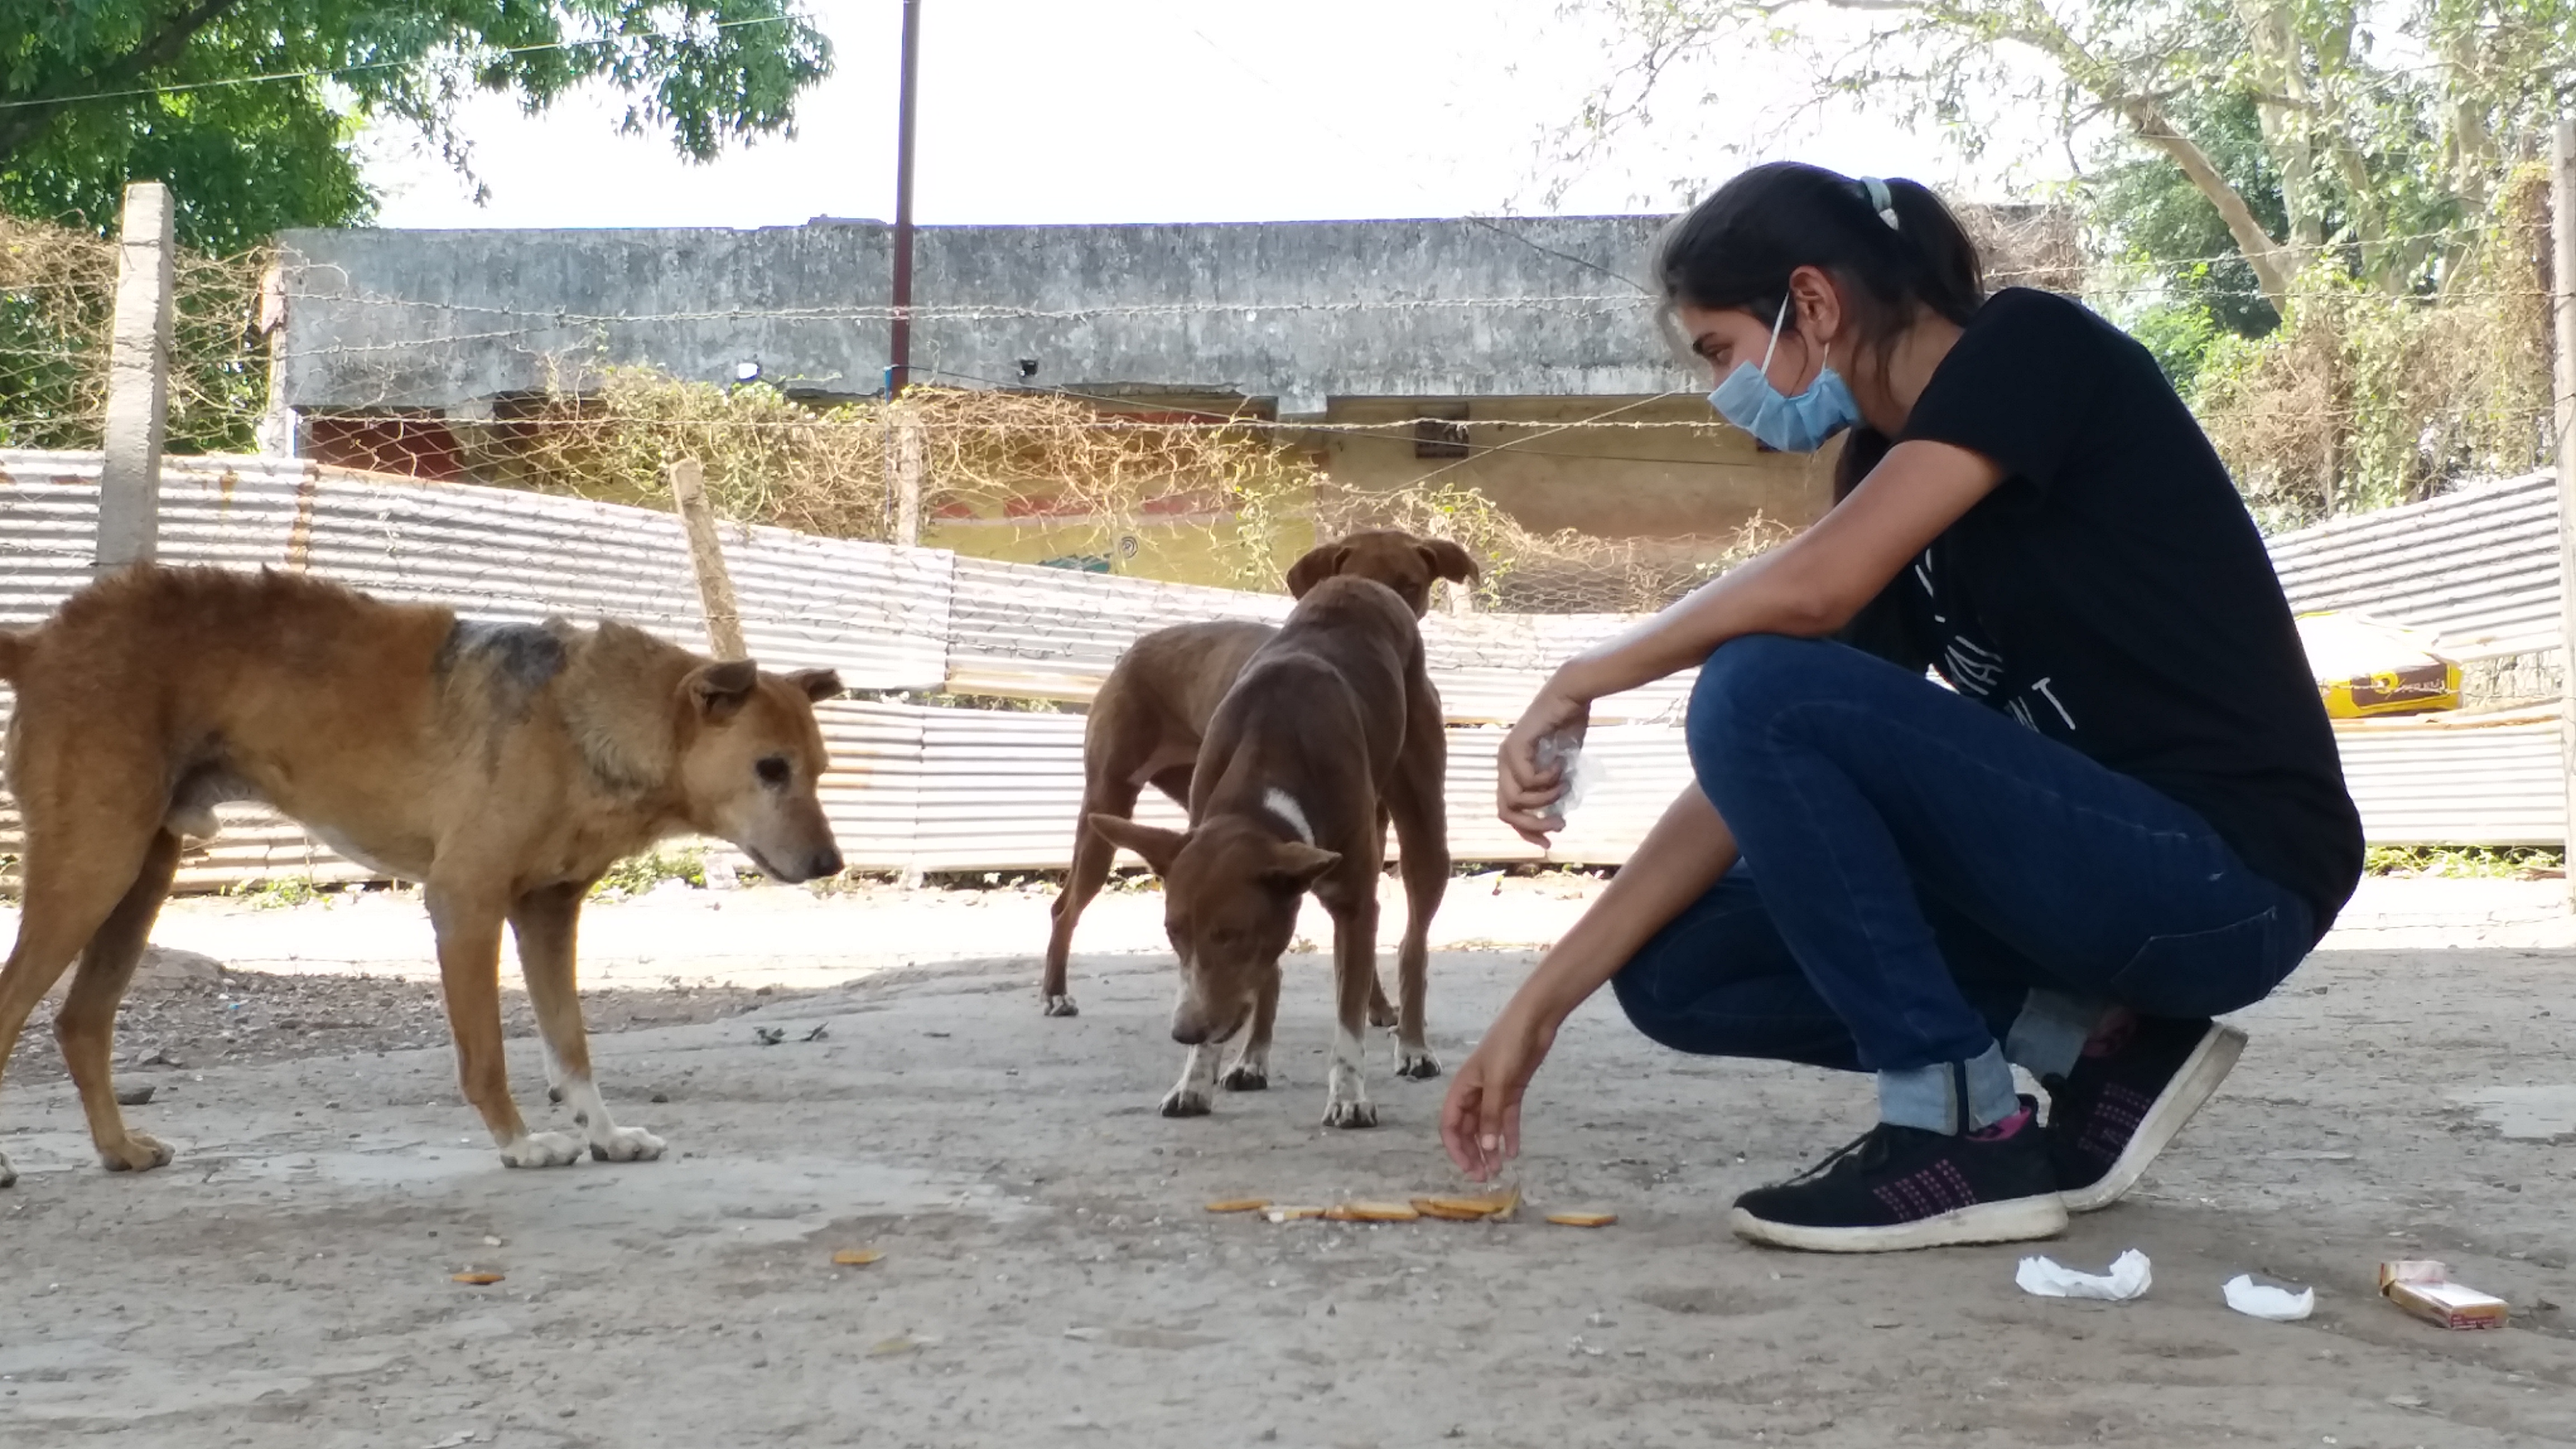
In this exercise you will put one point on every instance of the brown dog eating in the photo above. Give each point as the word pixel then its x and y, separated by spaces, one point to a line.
pixel 1150 715
pixel 1332 728
pixel 505 767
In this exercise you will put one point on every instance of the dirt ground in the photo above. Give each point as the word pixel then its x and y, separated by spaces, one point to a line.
pixel 1049 1274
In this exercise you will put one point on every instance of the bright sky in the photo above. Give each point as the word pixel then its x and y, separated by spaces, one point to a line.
pixel 1163 110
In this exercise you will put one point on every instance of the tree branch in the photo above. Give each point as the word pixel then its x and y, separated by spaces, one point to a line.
pixel 2262 253
pixel 26 119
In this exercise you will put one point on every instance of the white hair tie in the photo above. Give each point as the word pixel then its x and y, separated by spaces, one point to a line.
pixel 1880 201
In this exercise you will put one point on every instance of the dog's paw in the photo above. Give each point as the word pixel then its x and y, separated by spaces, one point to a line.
pixel 627 1144
pixel 1362 1113
pixel 1061 1006
pixel 544 1149
pixel 8 1174
pixel 1416 1063
pixel 1181 1102
pixel 137 1153
pixel 1246 1079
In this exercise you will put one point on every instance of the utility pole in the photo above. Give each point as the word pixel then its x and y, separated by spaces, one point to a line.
pixel 904 450
pixel 899 361
pixel 2562 284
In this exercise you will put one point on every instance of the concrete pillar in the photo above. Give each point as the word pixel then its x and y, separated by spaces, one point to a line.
pixel 138 382
pixel 906 463
pixel 2562 282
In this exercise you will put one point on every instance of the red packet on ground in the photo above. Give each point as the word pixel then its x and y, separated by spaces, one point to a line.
pixel 2424 1288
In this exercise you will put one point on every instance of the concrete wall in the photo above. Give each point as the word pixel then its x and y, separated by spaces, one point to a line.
pixel 1295 312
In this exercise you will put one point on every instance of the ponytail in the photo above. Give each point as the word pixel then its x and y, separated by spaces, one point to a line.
pixel 1892 245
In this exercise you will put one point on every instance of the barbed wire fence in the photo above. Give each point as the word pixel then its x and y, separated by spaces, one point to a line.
pixel 2407 391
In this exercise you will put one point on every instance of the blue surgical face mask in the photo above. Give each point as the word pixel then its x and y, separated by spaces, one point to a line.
pixel 1798 424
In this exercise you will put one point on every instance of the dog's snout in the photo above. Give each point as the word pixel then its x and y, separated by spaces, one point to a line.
pixel 825 862
pixel 1189 1030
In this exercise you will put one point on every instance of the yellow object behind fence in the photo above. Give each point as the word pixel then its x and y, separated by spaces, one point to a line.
pixel 2366 668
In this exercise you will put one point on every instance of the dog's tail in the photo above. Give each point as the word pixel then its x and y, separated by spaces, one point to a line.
pixel 13 654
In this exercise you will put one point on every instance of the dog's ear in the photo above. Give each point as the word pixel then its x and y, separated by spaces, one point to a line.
pixel 1159 847
pixel 817 684
pixel 1295 865
pixel 1320 563
pixel 1449 561
pixel 720 689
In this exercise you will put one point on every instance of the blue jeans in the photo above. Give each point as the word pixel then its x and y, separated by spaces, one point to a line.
pixel 1930 890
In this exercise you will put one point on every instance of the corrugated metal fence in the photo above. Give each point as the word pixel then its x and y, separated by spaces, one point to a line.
pixel 954 789
pixel 2478 568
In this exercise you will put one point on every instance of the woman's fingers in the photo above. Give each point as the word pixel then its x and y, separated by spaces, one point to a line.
pixel 1459 1116
pixel 1498 1129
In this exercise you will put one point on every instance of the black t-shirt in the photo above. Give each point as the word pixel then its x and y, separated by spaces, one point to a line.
pixel 2113 593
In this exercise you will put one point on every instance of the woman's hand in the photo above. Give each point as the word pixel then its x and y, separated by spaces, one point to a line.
pixel 1480 1123
pixel 1523 787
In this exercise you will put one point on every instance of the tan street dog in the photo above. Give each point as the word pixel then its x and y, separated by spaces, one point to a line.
pixel 1332 727
pixel 1150 714
pixel 505 767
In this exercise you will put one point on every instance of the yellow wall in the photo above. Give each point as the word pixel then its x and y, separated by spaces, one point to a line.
pixel 1191 549
pixel 1682 474
pixel 1680 486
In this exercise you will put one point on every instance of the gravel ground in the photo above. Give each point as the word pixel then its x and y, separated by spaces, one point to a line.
pixel 1050 1276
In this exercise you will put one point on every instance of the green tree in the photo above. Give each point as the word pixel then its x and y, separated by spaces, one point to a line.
pixel 2376 132
pixel 250 109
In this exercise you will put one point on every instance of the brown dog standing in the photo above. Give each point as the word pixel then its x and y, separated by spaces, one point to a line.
pixel 1305 758
pixel 505 767
pixel 1150 715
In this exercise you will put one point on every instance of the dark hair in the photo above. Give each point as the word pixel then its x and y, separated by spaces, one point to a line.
pixel 1735 251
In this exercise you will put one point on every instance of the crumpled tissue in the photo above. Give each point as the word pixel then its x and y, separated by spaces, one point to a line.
pixel 2129 1276
pixel 2257 1300
pixel 1582 771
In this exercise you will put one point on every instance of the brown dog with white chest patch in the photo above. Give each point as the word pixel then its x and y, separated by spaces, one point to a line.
pixel 1319 741
pixel 1148 719
pixel 504 766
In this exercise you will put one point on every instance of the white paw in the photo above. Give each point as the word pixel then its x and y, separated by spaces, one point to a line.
pixel 1243 1077
pixel 1360 1113
pixel 544 1149
pixel 626 1144
pixel 1417 1063
pixel 1061 1006
pixel 1185 1102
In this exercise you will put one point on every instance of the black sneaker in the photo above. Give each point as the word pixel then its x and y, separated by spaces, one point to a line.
pixel 2139 1080
pixel 1903 1187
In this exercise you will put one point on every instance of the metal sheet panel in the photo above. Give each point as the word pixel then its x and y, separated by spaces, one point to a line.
pixel 2500 785
pixel 2478 567
pixel 876 613
pixel 1043 633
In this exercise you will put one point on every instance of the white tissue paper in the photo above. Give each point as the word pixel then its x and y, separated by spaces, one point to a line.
pixel 1580 771
pixel 2280 1305
pixel 2128 1278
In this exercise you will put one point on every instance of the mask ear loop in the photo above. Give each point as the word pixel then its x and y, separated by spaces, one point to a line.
pixel 1775 343
pixel 1775 337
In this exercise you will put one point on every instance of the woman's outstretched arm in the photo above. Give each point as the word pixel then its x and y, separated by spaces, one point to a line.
pixel 1677 862
pixel 1808 587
